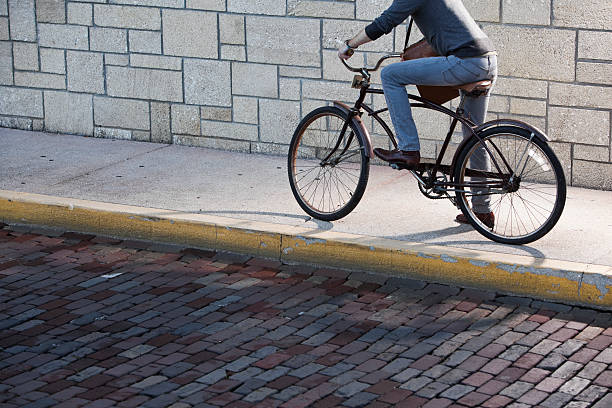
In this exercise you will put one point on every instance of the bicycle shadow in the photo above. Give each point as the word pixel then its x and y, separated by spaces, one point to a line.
pixel 427 237
pixel 321 225
pixel 430 237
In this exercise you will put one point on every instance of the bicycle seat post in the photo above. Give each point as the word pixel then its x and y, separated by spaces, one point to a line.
pixel 460 109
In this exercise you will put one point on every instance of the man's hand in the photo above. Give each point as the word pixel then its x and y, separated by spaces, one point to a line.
pixel 348 47
pixel 345 51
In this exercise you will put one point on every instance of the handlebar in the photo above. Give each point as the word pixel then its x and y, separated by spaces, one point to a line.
pixel 365 70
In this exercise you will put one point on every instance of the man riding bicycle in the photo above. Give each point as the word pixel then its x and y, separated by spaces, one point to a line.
pixel 466 55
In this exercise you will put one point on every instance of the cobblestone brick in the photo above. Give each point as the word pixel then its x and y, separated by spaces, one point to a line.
pixel 351 389
pixel 533 397
pixel 473 399
pixel 556 400
pixel 604 379
pixel 592 393
pixel 492 387
pixel 457 358
pixel 416 383
pixel 457 391
pixel 535 375
pixel 567 370
pixel 432 389
pixel 552 362
pixel 550 384
pixel 516 390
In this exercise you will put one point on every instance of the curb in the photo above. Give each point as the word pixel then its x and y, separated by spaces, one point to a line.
pixel 547 279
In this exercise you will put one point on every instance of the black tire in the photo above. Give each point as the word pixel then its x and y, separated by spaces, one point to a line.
pixel 530 208
pixel 327 190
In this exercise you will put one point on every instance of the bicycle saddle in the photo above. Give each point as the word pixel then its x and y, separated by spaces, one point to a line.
pixel 475 86
pixel 443 94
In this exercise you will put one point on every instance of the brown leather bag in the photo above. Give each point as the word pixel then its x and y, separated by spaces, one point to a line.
pixel 420 49
pixel 436 94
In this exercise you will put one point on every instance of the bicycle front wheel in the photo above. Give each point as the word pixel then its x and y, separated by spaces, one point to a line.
pixel 526 198
pixel 328 170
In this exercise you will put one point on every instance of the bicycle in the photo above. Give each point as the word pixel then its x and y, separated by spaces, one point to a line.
pixel 330 152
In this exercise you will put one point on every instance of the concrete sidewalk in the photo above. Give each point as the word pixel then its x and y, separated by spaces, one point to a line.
pixel 243 202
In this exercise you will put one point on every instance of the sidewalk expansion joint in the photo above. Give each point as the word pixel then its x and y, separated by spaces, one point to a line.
pixel 115 163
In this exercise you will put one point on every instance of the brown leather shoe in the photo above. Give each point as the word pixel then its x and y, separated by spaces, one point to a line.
pixel 409 159
pixel 487 219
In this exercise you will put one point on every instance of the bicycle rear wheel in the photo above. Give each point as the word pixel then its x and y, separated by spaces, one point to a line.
pixel 528 203
pixel 328 172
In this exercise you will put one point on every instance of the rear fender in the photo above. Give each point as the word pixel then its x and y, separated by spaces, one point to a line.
pixel 367 140
pixel 502 122
pixel 516 123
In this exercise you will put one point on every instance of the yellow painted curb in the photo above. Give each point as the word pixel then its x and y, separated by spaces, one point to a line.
pixel 570 282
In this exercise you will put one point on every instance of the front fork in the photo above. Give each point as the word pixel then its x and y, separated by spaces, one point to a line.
pixel 355 111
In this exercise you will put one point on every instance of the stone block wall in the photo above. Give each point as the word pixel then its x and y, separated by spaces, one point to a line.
pixel 239 74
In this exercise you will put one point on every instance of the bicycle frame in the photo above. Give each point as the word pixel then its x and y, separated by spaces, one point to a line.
pixel 362 82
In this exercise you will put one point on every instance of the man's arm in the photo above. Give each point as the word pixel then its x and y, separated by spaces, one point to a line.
pixel 390 18
pixel 360 39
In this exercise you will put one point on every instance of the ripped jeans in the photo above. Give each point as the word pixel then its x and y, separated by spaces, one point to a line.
pixel 438 71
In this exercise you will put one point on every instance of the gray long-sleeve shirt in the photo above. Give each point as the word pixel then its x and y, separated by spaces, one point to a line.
pixel 446 24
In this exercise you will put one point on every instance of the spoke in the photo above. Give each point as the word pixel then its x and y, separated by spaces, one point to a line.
pixel 317 185
pixel 531 174
pixel 309 184
pixel 508 217
pixel 306 173
pixel 534 167
pixel 537 190
pixel 330 185
pixel 327 191
pixel 323 183
pixel 340 197
pixel 519 220
pixel 497 205
pixel 325 188
pixel 355 176
pixel 529 213
pixel 539 194
pixel 535 205
pixel 313 166
pixel 330 181
pixel 346 187
pixel 318 195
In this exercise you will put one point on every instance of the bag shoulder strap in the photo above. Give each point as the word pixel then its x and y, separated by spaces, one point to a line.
pixel 408 31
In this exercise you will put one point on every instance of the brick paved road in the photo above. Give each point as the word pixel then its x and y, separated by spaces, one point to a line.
pixel 89 321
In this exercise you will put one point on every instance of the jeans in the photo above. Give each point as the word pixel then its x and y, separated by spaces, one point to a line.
pixel 438 71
